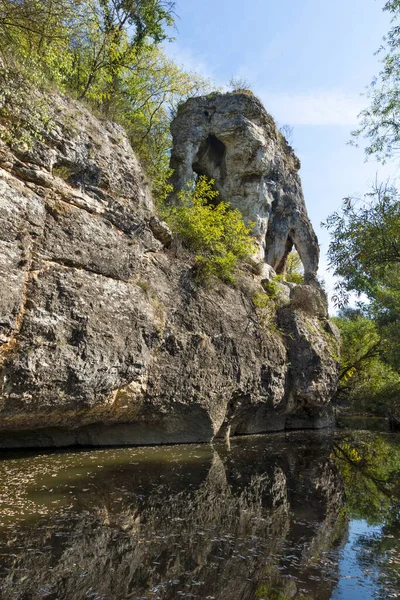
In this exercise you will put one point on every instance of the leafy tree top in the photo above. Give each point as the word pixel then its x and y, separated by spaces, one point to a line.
pixel 380 121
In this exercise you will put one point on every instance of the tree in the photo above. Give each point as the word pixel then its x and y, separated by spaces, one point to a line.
pixel 214 232
pixel 85 45
pixel 106 52
pixel 364 252
pixel 149 94
pixel 116 31
pixel 367 383
pixel 37 33
pixel 365 245
pixel 294 271
pixel 380 122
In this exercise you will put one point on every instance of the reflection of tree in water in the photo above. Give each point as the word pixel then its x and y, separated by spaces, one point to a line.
pixel 370 467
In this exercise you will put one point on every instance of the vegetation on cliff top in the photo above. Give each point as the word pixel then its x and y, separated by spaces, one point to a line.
pixel 106 53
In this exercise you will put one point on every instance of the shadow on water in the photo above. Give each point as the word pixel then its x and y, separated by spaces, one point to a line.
pixel 262 519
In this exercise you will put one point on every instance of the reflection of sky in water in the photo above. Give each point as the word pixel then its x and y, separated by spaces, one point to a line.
pixel 356 583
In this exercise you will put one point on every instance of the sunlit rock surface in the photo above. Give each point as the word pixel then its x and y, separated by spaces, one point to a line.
pixel 233 140
pixel 105 335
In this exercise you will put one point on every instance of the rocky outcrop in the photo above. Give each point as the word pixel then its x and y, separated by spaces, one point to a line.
pixel 106 337
pixel 233 140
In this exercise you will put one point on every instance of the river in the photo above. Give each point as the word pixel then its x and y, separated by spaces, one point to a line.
pixel 304 515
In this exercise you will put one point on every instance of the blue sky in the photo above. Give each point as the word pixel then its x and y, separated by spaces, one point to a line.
pixel 309 62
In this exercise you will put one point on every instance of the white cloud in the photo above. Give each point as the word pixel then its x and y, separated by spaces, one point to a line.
pixel 186 59
pixel 317 107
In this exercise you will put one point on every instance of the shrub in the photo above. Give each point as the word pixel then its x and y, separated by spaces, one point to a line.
pixel 294 269
pixel 266 310
pixel 24 113
pixel 217 234
pixel 271 287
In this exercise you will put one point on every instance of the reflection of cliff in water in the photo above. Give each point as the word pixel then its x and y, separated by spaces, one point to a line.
pixel 176 522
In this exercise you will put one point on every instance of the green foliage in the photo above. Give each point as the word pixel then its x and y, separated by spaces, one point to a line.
pixel 24 114
pixel 266 307
pixel 370 468
pixel 265 593
pixel 380 122
pixel 365 254
pixel 36 33
pixel 271 287
pixel 62 171
pixel 360 342
pixel 367 382
pixel 294 271
pixel 107 53
pixel 146 101
pixel 84 44
pixel 212 230
pixel 261 300
pixel 364 250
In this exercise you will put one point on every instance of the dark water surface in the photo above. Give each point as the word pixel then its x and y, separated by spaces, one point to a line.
pixel 300 515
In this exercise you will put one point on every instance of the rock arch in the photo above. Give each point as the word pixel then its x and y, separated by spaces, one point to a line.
pixel 233 140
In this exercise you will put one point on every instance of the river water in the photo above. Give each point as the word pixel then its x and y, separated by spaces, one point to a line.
pixel 305 515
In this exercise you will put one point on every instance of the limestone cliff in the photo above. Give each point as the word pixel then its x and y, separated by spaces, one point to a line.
pixel 105 335
pixel 232 139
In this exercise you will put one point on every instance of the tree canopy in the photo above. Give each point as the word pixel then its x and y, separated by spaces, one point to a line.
pixel 380 121
pixel 365 245
pixel 108 53
pixel 364 252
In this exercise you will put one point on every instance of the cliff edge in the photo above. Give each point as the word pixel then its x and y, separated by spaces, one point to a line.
pixel 105 335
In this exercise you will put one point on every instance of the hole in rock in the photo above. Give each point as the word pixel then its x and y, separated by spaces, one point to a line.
pixel 281 266
pixel 210 159
pixel 291 265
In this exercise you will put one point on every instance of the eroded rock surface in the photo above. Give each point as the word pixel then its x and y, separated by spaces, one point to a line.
pixel 233 140
pixel 106 338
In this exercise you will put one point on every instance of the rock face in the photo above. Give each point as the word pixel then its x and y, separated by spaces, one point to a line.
pixel 106 338
pixel 233 140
